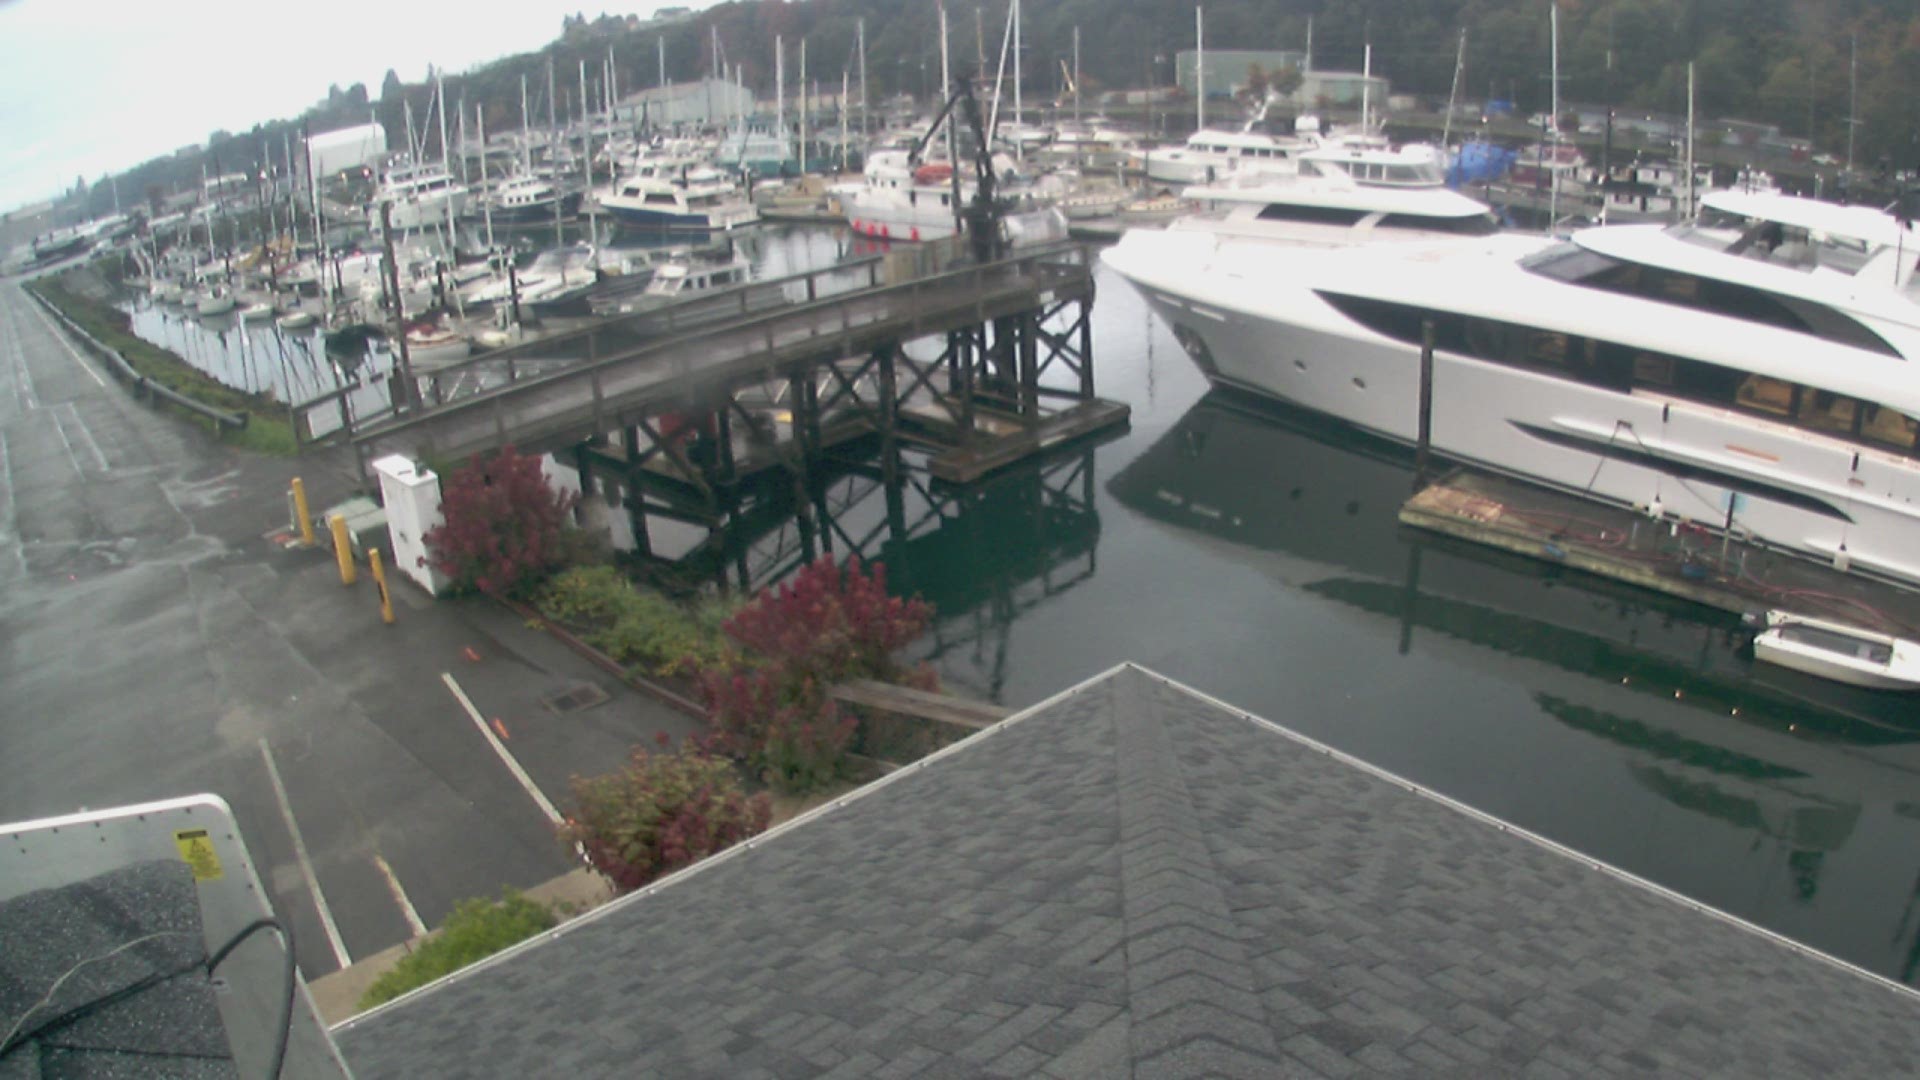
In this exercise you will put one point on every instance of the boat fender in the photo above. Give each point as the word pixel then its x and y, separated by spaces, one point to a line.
pixel 1842 559
pixel 916 236
pixel 1553 551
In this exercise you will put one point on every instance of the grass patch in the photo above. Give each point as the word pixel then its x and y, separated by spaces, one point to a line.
pixel 476 930
pixel 268 430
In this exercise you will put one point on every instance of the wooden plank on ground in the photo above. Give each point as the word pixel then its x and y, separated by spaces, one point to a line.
pixel 921 704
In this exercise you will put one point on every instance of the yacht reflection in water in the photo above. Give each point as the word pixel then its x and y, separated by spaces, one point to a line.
pixel 1669 686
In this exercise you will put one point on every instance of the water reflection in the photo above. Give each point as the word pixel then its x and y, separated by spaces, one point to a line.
pixel 1750 782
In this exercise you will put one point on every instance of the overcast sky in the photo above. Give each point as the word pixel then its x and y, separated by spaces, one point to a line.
pixel 89 87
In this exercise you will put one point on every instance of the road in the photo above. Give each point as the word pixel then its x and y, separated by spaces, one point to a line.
pixel 159 638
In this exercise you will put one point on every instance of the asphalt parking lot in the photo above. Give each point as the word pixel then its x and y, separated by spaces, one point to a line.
pixel 159 637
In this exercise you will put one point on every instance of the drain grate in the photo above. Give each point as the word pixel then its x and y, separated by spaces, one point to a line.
pixel 574 699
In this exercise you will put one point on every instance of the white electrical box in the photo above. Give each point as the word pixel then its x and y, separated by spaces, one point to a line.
pixel 412 497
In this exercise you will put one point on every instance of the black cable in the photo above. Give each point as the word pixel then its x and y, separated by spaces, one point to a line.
pixel 79 1012
pixel 286 1006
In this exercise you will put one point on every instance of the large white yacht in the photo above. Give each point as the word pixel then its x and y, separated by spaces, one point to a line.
pixel 1753 368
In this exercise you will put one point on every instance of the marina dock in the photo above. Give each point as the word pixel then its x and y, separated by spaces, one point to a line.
pixel 1680 558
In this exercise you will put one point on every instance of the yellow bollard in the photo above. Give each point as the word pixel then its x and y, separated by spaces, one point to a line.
pixel 300 511
pixel 380 583
pixel 342 548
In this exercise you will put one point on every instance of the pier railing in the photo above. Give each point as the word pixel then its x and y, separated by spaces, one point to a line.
pixel 530 402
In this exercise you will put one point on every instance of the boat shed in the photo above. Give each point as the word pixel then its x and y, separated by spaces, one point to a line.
pixel 1132 879
pixel 333 152
pixel 702 103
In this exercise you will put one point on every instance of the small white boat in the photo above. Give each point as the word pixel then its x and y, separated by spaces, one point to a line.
pixel 256 312
pixel 296 320
pixel 217 302
pixel 432 347
pixel 1837 651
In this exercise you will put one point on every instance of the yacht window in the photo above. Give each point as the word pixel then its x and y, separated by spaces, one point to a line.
pixel 1620 368
pixel 1473 225
pixel 1578 266
pixel 1319 215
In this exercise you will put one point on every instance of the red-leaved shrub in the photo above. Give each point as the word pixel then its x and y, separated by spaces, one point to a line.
pixel 661 812
pixel 502 528
pixel 769 708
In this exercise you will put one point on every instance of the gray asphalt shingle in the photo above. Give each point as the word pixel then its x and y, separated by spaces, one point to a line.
pixel 1133 880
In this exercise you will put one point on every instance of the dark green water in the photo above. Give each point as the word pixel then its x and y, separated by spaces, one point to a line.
pixel 1255 555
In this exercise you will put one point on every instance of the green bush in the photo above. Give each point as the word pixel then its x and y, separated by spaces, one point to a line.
pixel 477 929
pixel 637 627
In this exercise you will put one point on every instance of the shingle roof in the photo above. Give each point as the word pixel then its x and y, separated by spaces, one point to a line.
pixel 1132 879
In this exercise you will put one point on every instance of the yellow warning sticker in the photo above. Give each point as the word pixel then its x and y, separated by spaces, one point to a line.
pixel 197 849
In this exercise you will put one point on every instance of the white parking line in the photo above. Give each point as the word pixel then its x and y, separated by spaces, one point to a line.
pixel 46 321
pixel 407 910
pixel 306 864
pixel 513 766
pixel 87 435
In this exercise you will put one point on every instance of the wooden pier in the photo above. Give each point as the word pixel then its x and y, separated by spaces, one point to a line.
pixel 1691 560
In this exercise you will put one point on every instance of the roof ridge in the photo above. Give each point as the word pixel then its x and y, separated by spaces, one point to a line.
pixel 1168 879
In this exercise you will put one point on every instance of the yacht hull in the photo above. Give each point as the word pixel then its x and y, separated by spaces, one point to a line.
pixel 1283 339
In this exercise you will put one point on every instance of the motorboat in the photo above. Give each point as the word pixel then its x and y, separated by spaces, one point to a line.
pixel 1837 651
pixel 678 197
pixel 529 199
pixel 684 278
pixel 422 196
pixel 258 311
pixel 1753 370
pixel 1210 153
pixel 296 319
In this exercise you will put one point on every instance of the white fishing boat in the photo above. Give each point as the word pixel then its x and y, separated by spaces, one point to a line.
pixel 1838 651
pixel 1758 369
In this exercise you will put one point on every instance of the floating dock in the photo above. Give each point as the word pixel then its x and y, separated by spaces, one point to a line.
pixel 1680 558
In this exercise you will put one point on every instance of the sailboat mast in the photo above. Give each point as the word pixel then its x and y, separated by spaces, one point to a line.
pixel 440 91
pixel 553 162
pixel 1553 121
pixel 1453 95
pixel 860 35
pixel 779 95
pixel 586 150
pixel 1366 88
pixel 486 201
pixel 1017 108
pixel 1199 69
pixel 803 107
pixel 1076 75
